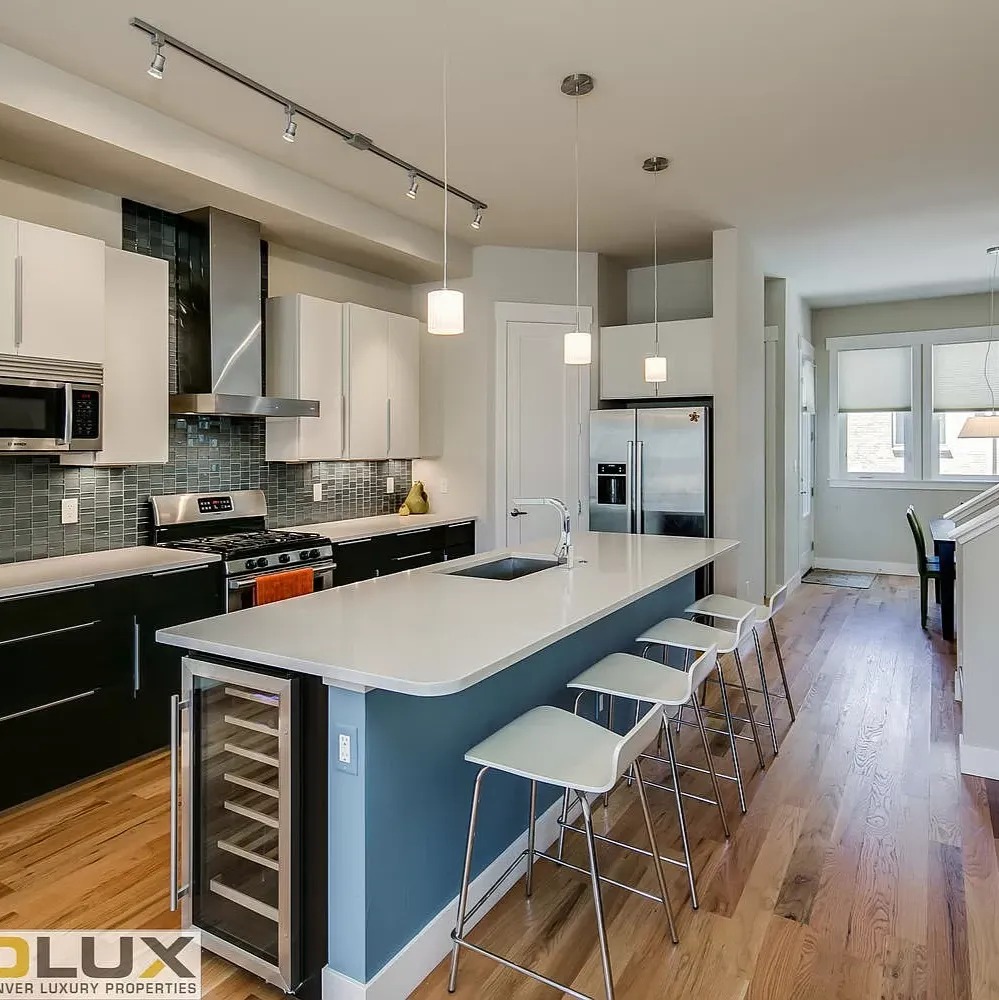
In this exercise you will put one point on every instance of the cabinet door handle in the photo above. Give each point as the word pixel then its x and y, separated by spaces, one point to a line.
pixel 136 668
pixel 343 426
pixel 176 707
pixel 18 300
pixel 53 631
pixel 388 427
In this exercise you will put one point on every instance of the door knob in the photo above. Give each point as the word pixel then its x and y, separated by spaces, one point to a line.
pixel 518 513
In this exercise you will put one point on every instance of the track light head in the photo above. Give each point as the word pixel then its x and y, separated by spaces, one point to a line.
pixel 290 126
pixel 159 60
pixel 476 223
pixel 414 185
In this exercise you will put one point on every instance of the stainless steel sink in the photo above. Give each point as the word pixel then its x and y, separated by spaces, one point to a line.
pixel 509 568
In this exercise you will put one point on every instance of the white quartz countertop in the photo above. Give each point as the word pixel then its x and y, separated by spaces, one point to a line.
pixel 387 524
pixel 429 633
pixel 36 576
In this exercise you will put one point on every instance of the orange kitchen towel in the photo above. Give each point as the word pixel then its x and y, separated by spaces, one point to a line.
pixel 281 586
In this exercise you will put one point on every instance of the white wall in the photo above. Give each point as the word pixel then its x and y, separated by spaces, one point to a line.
pixel 868 525
pixel 50 201
pixel 461 371
pixel 685 292
pixel 740 501
pixel 291 271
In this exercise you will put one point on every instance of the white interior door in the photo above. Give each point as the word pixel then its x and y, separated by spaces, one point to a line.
pixel 807 464
pixel 771 336
pixel 546 401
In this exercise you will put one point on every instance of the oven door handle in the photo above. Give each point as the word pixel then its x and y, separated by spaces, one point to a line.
pixel 242 582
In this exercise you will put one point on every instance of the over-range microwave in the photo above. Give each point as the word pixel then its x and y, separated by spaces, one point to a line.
pixel 48 407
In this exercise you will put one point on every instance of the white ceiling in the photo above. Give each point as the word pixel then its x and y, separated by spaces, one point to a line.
pixel 855 141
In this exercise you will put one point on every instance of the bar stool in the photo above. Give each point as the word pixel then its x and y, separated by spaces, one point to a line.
pixel 555 747
pixel 723 608
pixel 681 633
pixel 622 675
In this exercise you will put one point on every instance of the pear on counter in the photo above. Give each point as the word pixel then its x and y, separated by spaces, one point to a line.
pixel 417 501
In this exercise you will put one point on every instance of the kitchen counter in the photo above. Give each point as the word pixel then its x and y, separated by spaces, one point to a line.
pixel 430 633
pixel 387 524
pixel 36 576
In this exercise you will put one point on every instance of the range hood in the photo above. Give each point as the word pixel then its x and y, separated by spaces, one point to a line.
pixel 219 342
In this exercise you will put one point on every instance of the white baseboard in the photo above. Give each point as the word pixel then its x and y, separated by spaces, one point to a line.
pixel 867 566
pixel 980 761
pixel 422 954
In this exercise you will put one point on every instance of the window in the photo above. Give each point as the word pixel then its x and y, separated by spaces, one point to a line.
pixel 900 401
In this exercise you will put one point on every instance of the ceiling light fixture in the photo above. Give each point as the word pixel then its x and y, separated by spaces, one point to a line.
pixel 987 425
pixel 161 40
pixel 577 346
pixel 414 185
pixel 445 306
pixel 476 223
pixel 656 368
pixel 290 125
pixel 159 60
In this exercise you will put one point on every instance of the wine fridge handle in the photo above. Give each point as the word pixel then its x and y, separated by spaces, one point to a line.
pixel 176 707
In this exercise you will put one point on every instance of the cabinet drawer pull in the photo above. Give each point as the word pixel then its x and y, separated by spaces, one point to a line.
pixel 459 524
pixel 179 569
pixel 355 541
pixel 415 555
pixel 414 531
pixel 54 631
pixel 47 593
pixel 51 704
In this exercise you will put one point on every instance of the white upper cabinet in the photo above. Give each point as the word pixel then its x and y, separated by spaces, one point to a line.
pixel 136 417
pixel 686 345
pixel 305 361
pixel 368 407
pixel 57 285
pixel 404 386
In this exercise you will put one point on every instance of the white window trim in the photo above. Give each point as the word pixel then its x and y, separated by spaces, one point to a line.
pixel 924 472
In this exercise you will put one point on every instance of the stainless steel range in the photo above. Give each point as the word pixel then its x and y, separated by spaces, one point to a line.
pixel 234 525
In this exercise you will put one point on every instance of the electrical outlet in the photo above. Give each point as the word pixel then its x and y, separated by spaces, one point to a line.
pixel 346 749
pixel 390 484
pixel 71 510
pixel 317 492
pixel 443 486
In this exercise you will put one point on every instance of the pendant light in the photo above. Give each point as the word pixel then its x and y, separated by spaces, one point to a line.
pixel 656 368
pixel 445 306
pixel 987 426
pixel 577 346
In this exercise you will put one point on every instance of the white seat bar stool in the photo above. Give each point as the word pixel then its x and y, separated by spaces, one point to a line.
pixel 553 747
pixel 623 675
pixel 681 633
pixel 719 607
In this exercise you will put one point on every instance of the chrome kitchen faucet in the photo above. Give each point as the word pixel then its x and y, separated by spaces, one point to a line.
pixel 563 551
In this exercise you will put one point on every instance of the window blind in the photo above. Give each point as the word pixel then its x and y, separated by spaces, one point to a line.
pixel 959 382
pixel 875 380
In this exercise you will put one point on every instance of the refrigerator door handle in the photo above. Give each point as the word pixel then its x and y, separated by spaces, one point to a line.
pixel 639 488
pixel 629 488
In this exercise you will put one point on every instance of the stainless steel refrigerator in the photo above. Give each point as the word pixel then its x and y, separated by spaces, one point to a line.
pixel 650 471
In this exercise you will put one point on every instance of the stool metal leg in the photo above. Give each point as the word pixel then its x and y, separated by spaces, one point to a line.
pixel 530 838
pixel 466 877
pixel 749 710
pixel 681 814
pixel 731 738
pixel 766 692
pixel 711 764
pixel 780 663
pixel 654 847
pixel 561 826
pixel 610 726
pixel 598 903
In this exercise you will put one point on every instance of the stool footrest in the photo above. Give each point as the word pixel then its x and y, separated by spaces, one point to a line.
pixel 713 729
pixel 749 687
pixel 603 878
pixel 738 718
pixel 686 795
pixel 513 864
pixel 626 847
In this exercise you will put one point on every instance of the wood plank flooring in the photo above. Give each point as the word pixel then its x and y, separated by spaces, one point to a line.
pixel 866 867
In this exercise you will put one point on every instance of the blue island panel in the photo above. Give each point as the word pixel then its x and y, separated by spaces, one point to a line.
pixel 398 827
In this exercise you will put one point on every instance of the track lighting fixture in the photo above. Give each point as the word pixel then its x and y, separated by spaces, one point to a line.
pixel 159 60
pixel 476 223
pixel 414 185
pixel 290 125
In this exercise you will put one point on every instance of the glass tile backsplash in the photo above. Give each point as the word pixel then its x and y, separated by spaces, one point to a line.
pixel 205 454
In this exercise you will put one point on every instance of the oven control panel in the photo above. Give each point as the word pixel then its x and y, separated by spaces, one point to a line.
pixel 292 559
pixel 215 505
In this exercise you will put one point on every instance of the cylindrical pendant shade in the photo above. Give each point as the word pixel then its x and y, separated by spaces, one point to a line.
pixel 576 348
pixel 655 369
pixel 445 312
pixel 981 427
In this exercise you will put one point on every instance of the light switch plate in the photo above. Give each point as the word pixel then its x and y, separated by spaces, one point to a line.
pixel 390 484
pixel 443 486
pixel 71 510
pixel 346 743
pixel 317 492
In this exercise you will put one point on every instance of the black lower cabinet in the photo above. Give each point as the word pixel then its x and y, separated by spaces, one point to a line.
pixel 358 559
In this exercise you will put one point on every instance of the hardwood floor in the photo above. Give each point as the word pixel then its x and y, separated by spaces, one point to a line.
pixel 867 866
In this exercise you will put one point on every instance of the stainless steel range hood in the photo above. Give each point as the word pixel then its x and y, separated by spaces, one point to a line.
pixel 219 342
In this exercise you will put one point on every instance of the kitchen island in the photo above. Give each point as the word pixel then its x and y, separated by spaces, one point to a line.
pixel 420 666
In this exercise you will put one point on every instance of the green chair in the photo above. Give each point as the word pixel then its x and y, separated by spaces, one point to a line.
pixel 929 566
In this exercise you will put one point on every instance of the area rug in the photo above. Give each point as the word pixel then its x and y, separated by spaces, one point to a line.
pixel 838 578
